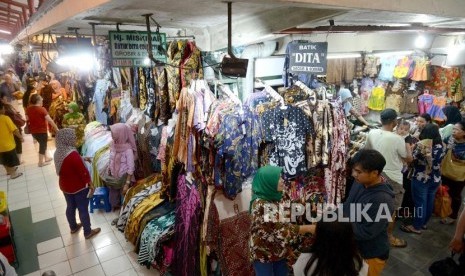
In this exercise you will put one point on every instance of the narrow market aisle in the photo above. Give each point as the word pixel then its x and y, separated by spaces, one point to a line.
pixel 42 235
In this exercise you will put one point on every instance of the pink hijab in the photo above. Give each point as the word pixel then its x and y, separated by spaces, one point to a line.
pixel 123 139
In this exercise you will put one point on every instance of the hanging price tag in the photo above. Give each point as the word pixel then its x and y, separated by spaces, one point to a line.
pixel 286 122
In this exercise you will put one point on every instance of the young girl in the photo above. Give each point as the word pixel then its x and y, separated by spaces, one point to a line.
pixel 74 181
pixel 322 259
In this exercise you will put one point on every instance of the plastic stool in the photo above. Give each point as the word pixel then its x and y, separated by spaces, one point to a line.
pixel 100 200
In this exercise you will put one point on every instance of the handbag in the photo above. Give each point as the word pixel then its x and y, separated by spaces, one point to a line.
pixel 447 267
pixel 452 168
pixel 442 202
pixel 18 95
pixel 115 182
pixel 26 129
pixel 18 120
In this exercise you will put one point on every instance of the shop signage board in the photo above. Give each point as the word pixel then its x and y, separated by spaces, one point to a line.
pixel 130 48
pixel 308 57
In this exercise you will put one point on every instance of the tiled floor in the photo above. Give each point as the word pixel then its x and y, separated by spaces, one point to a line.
pixel 43 240
pixel 37 208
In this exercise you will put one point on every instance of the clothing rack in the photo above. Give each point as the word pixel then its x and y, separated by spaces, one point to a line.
pixel 275 95
pixel 312 95
pixel 226 90
pixel 181 37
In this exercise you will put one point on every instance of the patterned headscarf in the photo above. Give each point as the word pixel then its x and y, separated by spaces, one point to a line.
pixel 123 139
pixel 265 184
pixel 65 144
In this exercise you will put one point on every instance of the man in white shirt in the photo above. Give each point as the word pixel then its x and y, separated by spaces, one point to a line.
pixel 394 149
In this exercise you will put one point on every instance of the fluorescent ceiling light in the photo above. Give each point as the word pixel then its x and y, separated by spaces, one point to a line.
pixel 6 49
pixel 343 55
pixel 397 53
pixel 420 42
pixel 5 32
pixel 83 61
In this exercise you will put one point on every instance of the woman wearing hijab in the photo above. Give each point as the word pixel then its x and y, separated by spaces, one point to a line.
pixel 453 117
pixel 123 153
pixel 346 98
pixel 74 180
pixel 270 238
pixel 75 119
pixel 30 90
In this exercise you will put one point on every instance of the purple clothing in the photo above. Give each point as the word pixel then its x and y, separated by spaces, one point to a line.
pixel 126 165
pixel 425 102
pixel 203 101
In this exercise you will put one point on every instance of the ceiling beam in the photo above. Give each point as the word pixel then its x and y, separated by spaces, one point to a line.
pixel 7 22
pixel 445 8
pixel 369 28
pixel 12 16
pixel 22 21
pixel 14 3
pixel 24 12
pixel 6 27
pixel 30 4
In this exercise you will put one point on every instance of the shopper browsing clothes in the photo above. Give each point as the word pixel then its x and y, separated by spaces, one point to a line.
pixel 457 244
pixel 123 153
pixel 74 180
pixel 75 119
pixel 9 87
pixel 30 90
pixel 349 110
pixel 370 188
pixel 8 157
pixel 17 119
pixel 36 120
pixel 396 152
pixel 453 116
pixel 270 239
pixel 426 178
pixel 421 122
pixel 322 261
pixel 455 180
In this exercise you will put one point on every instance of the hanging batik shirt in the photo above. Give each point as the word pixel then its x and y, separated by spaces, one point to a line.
pixel 237 141
pixel 287 129
pixel 99 100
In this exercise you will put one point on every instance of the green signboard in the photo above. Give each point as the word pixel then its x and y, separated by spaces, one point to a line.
pixel 130 48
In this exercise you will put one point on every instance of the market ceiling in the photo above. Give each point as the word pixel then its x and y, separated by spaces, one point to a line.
pixel 14 16
pixel 253 20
